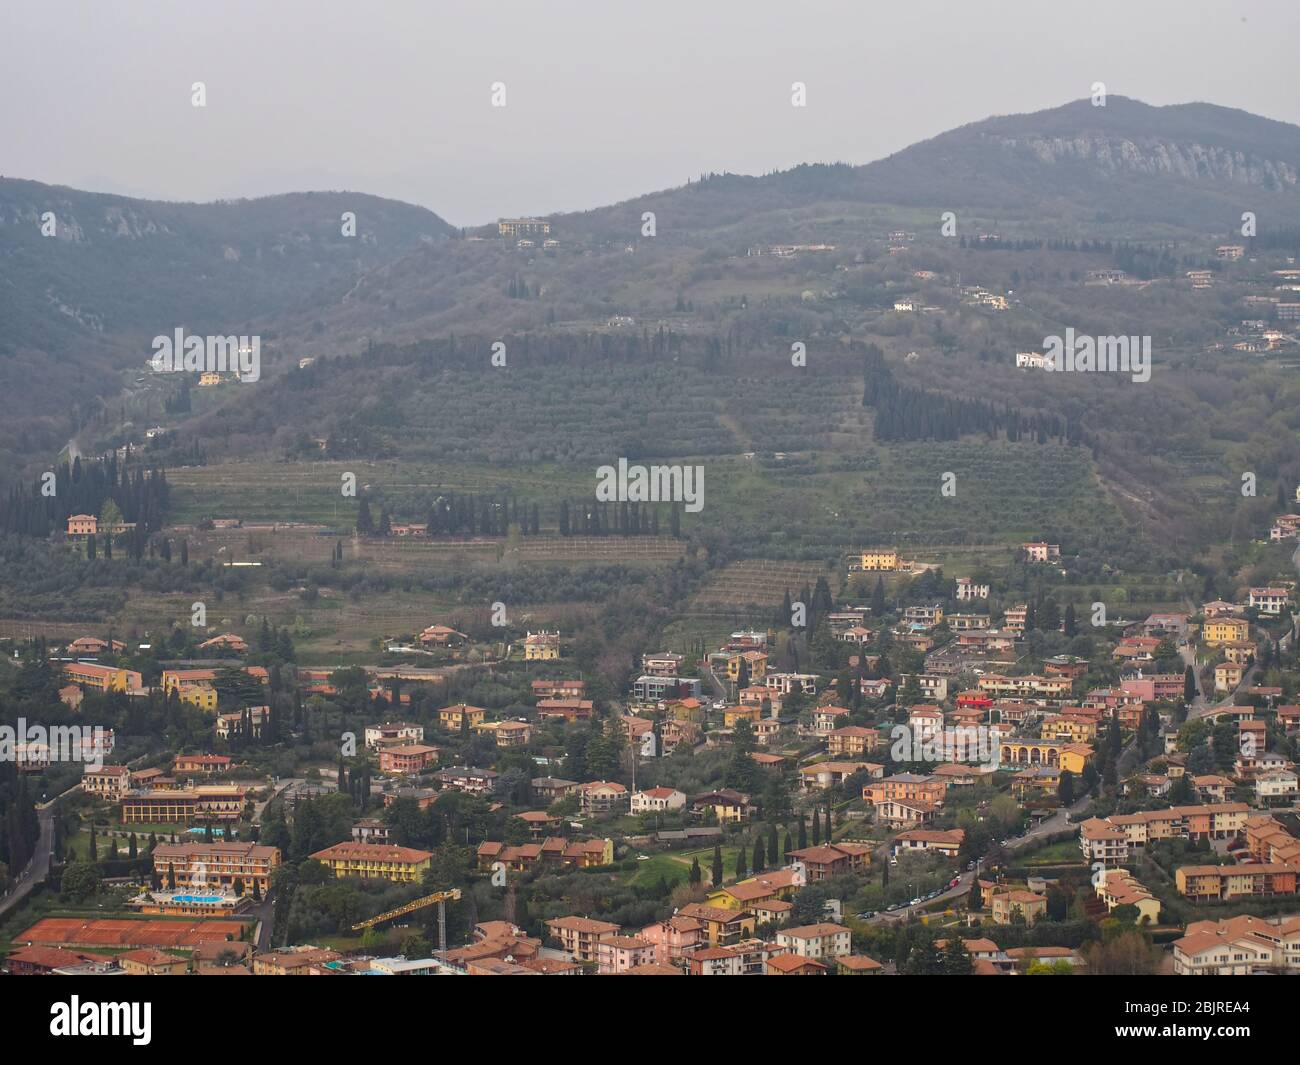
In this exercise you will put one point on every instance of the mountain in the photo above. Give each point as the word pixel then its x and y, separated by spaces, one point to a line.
pixel 1192 166
pixel 84 302
pixel 81 307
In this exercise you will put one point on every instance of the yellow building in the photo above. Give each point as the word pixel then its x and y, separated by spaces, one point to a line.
pixel 149 962
pixel 734 714
pixel 756 890
pixel 199 695
pixel 375 861
pixel 103 678
pixel 1225 630
pixel 723 926
pixel 756 660
pixel 1071 756
pixel 1120 888
pixel 1007 906
pixel 1228 675
pixel 1070 728
pixel 453 718
pixel 729 807
pixel 880 559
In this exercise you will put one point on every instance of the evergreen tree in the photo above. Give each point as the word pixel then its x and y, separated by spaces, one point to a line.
pixel 365 523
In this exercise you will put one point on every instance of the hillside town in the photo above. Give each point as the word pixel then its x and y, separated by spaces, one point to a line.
pixel 919 774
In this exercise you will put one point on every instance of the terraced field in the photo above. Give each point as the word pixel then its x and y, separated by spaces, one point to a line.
pixel 627 550
pixel 758 584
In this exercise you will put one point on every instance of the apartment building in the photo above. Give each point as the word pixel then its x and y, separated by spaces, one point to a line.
pixel 1224 629
pixel 107 782
pixel 853 740
pixel 1235 881
pixel 408 759
pixel 580 936
pixel 461 716
pixel 393 734
pixel 618 954
pixel 1120 888
pixel 879 558
pixel 601 796
pixel 468 779
pixel 1103 842
pixel 216 865
pixel 929 789
pixel 375 861
pixel 817 941
pixel 831 859
pixel 1031 686
pixel 103 678
pixel 938 841
pixel 211 802
pixel 967 589
pixel 205 765
pixel 1270 600
pixel 1238 946
pixel 1212 821
pixel 657 800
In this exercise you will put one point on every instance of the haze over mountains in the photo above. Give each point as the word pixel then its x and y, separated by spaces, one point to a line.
pixel 83 306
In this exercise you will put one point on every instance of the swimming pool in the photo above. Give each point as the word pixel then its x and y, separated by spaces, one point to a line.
pixel 196 898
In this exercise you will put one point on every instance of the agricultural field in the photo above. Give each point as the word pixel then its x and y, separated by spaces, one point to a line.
pixel 761 583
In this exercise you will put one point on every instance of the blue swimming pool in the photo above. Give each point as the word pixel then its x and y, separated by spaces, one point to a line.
pixel 196 898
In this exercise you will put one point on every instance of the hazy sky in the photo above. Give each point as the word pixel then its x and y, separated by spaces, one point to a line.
pixel 604 99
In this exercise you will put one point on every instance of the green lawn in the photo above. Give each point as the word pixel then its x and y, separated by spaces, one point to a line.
pixel 665 867
pixel 1056 854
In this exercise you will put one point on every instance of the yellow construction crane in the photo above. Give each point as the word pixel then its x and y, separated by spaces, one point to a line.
pixel 439 897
